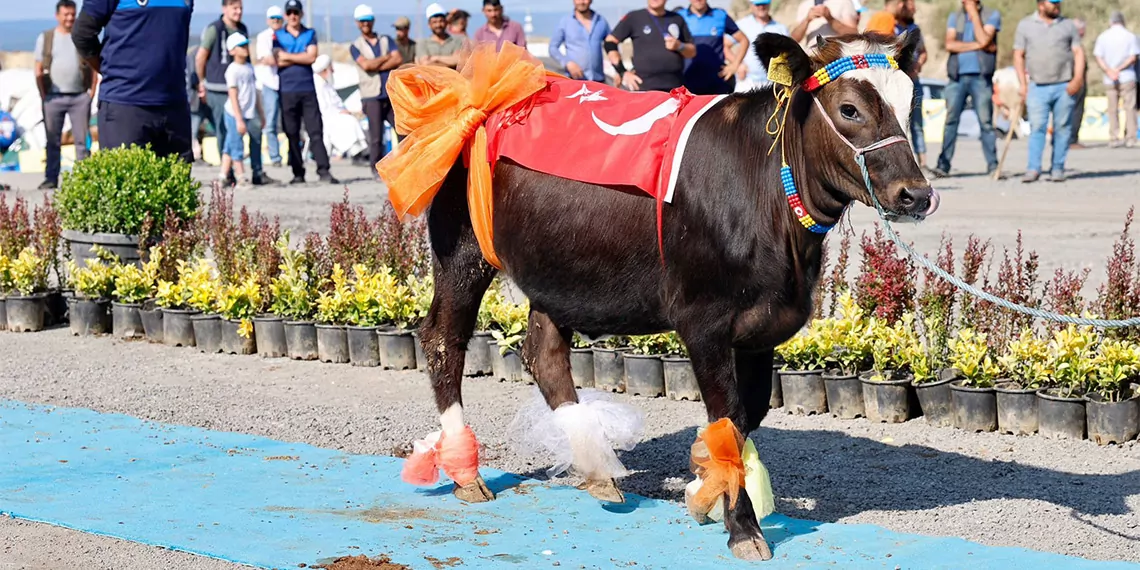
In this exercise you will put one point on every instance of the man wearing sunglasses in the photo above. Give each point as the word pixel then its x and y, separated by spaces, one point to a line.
pixel 295 48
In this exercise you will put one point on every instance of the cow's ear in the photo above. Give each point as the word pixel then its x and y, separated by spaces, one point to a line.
pixel 907 49
pixel 785 50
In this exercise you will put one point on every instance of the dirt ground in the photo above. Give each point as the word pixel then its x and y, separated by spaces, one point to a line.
pixel 1067 497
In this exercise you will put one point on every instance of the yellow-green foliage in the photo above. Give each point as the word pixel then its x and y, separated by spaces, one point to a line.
pixel 808 350
pixel 369 289
pixel 1116 362
pixel 423 290
pixel 199 284
pixel 970 354
pixel 97 279
pixel 241 302
pixel 5 274
pixel 29 272
pixel 294 288
pixel 661 344
pixel 1071 353
pixel 1026 360
pixel 334 305
pixel 508 321
pixel 849 335
pixel 898 348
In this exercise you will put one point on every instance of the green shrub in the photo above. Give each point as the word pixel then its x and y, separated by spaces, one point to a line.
pixel 114 191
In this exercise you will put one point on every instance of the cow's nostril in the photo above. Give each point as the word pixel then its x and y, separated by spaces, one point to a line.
pixel 906 198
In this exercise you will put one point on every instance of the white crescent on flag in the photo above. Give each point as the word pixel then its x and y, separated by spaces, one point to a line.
pixel 642 124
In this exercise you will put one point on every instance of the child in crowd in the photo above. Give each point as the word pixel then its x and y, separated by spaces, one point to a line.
pixel 242 106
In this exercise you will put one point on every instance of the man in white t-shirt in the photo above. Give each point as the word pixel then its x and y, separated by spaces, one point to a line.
pixel 243 112
pixel 267 81
pixel 751 74
pixel 1116 52
pixel 825 18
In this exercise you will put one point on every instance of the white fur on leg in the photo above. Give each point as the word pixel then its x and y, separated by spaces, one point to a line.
pixel 581 437
pixel 452 418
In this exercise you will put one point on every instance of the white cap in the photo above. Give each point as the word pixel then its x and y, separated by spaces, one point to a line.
pixel 275 13
pixel 434 9
pixel 236 40
pixel 363 13
pixel 323 62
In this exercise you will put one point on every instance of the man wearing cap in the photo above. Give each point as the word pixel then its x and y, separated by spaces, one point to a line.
pixel 582 32
pixel 295 48
pixel 142 98
pixel 752 74
pixel 440 48
pixel 375 57
pixel 825 18
pixel 1050 65
pixel 1116 52
pixel 267 81
pixel 499 28
pixel 404 43
pixel 661 44
pixel 708 73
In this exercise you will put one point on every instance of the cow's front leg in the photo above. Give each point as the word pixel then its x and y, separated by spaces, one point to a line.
pixel 720 445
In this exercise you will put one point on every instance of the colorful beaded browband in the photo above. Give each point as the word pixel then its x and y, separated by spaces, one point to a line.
pixel 833 70
pixel 797 205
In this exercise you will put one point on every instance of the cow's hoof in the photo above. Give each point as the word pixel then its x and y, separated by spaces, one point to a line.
pixel 474 492
pixel 604 490
pixel 751 548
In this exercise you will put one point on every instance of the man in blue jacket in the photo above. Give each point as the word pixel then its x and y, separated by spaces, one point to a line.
pixel 142 99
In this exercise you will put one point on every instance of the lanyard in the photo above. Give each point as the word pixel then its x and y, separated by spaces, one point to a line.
pixel 657 23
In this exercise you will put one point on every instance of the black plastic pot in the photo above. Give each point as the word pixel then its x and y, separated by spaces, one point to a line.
pixel 934 400
pixel 680 380
pixel 804 392
pixel 332 344
pixel 89 316
pixel 126 247
pixel 1059 417
pixel 1112 422
pixel 514 369
pixel 609 372
pixel 269 333
pixel 126 320
pixel 232 342
pixel 421 358
pixel 498 362
pixel 363 346
pixel 582 367
pixel 777 399
pixel 478 359
pixel 301 340
pixel 886 401
pixel 25 313
pixel 208 332
pixel 398 350
pixel 975 409
pixel 3 314
pixel 644 375
pixel 844 395
pixel 178 327
pixel 1016 409
pixel 55 307
pixel 151 317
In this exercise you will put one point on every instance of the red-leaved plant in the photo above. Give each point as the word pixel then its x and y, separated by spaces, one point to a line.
pixel 1063 294
pixel 403 245
pixel 975 264
pixel 182 240
pixel 15 226
pixel 45 238
pixel 1119 296
pixel 837 281
pixel 885 287
pixel 936 302
pixel 1016 282
pixel 352 237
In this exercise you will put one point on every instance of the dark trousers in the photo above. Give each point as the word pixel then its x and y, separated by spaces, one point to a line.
pixel 1078 114
pixel 378 111
pixel 56 107
pixel 165 127
pixel 297 107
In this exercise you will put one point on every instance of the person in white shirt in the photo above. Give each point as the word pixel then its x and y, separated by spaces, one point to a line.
pixel 242 108
pixel 751 74
pixel 343 134
pixel 825 18
pixel 1116 51
pixel 268 82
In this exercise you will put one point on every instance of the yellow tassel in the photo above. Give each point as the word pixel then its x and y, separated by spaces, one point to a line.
pixel 757 482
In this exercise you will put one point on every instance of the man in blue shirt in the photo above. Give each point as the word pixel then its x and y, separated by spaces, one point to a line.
pixel 707 73
pixel 142 99
pixel 295 47
pixel 582 33
pixel 971 39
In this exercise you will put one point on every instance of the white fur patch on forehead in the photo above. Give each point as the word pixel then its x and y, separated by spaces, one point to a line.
pixel 894 86
pixel 863 47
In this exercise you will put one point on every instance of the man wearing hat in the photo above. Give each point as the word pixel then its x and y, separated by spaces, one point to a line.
pixel 404 43
pixel 267 81
pixel 752 74
pixel 375 57
pixel 1050 65
pixel 440 48
pixel 295 48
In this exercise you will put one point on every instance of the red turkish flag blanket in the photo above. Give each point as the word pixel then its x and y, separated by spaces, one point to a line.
pixel 591 132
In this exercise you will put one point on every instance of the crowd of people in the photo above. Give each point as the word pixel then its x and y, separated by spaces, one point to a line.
pixel 284 82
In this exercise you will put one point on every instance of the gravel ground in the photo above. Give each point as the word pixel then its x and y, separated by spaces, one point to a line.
pixel 1068 497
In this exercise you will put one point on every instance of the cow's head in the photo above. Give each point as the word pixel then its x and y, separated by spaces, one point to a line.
pixel 863 107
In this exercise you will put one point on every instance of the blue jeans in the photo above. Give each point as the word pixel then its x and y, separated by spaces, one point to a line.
pixel 917 125
pixel 233 144
pixel 216 101
pixel 271 104
pixel 1043 100
pixel 980 90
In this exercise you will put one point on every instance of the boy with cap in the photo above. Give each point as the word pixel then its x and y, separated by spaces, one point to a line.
pixel 242 108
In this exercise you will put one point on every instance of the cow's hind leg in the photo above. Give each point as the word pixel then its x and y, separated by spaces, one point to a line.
pixel 581 434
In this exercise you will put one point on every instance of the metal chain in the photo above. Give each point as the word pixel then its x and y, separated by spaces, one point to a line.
pixel 957 282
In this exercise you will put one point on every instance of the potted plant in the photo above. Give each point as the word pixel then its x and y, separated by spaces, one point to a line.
pixel 133 286
pixel 237 304
pixel 477 361
pixel 201 284
pixel 609 372
pixel 26 308
pixel 423 292
pixel 6 287
pixel 177 328
pixel 400 307
pixel 644 375
pixel 972 396
pixel 333 306
pixel 680 380
pixel 90 307
pixel 581 362
pixel 776 400
pixel 1025 365
pixel 293 293
pixel 1112 404
pixel 366 314
pixel 107 199
pixel 1060 403
pixel 508 329
pixel 805 358
pixel 887 387
pixel 849 336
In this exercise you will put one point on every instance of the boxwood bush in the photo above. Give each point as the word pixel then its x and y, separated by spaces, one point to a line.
pixel 115 190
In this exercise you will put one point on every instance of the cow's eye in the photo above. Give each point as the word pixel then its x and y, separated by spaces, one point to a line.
pixel 849 112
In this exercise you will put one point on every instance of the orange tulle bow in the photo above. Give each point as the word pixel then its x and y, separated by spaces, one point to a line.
pixel 456 454
pixel 442 111
pixel 716 459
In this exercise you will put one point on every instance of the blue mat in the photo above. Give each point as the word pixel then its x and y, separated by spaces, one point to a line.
pixel 274 504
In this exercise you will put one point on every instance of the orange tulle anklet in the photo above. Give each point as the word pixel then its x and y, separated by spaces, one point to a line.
pixel 457 454
pixel 716 461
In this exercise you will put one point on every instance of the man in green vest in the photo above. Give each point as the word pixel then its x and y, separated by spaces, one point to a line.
pixel 375 56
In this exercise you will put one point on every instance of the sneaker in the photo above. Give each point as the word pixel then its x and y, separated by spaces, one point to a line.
pixel 1030 176
pixel 939 173
pixel 48 185
pixel 297 180
pixel 1057 176
pixel 990 173
pixel 1115 144
pixel 276 164
pixel 263 179
pixel 328 179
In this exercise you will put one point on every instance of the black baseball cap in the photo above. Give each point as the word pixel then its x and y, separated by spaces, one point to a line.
pixel 294 5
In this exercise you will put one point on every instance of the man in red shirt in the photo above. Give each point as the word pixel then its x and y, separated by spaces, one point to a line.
pixel 499 28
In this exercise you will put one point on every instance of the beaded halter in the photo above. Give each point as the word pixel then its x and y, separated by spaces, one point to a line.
pixel 780 74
